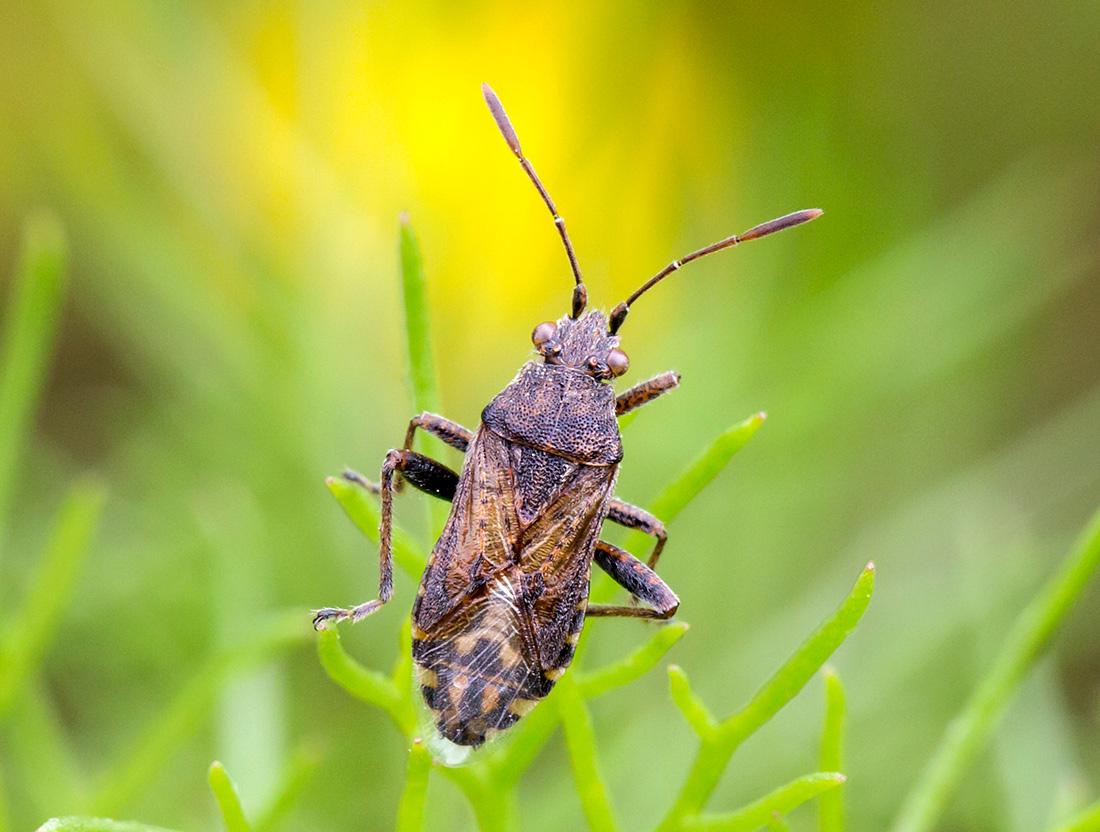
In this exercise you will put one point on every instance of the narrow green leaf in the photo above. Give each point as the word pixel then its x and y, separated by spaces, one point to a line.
pixel 634 665
pixel 228 802
pixel 410 811
pixel 763 811
pixel 29 634
pixel 970 730
pixel 422 375
pixel 27 341
pixel 83 824
pixel 191 708
pixel 363 683
pixel 695 478
pixel 299 772
pixel 778 823
pixel 581 744
pixel 360 507
pixel 1087 821
pixel 714 754
pixel 831 805
pixel 691 706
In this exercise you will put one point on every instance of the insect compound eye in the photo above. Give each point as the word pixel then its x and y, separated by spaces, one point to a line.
pixel 543 333
pixel 617 362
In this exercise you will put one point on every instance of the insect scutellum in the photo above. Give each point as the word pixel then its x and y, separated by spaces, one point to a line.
pixel 573 341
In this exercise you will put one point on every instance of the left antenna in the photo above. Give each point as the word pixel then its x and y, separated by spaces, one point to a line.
pixel 580 294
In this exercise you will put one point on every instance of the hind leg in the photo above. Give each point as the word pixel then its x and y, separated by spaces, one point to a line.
pixel 638 579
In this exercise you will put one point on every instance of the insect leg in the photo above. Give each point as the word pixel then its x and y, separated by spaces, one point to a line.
pixel 638 518
pixel 395 460
pixel 637 578
pixel 423 472
pixel 646 392
pixel 450 432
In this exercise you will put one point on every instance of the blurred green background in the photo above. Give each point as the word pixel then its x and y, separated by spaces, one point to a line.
pixel 229 176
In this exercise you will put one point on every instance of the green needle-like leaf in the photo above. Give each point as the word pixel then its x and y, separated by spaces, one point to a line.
pixel 410 811
pixel 25 642
pixel 360 507
pixel 831 805
pixel 716 751
pixel 83 824
pixel 581 744
pixel 691 706
pixel 26 345
pixel 363 683
pixel 762 812
pixel 634 665
pixel 970 730
pixel 696 477
pixel 425 393
pixel 226 795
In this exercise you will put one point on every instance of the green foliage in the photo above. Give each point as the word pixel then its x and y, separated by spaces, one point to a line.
pixel 226 795
pixel 831 805
pixel 969 732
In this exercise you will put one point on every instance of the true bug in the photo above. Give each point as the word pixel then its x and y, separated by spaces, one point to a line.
pixel 501 604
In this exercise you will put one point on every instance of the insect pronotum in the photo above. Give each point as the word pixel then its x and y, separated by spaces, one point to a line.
pixel 501 604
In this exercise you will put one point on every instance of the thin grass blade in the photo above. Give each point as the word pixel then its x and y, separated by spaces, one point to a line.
pixel 26 346
pixel 422 373
pixel 33 627
pixel 969 732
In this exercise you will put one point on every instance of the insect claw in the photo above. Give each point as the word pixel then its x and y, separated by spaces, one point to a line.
pixel 322 617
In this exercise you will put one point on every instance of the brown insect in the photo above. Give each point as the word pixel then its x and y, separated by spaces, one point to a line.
pixel 501 605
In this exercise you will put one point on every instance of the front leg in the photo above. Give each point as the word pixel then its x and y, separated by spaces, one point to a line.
pixel 424 473
pixel 450 432
pixel 638 579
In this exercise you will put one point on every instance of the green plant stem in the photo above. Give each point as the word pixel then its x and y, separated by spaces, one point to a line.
pixel 634 665
pixel 226 795
pixel 28 336
pixel 369 685
pixel 831 805
pixel 410 811
pixel 581 743
pixel 716 749
pixel 25 641
pixel 765 810
pixel 691 706
pixel 970 730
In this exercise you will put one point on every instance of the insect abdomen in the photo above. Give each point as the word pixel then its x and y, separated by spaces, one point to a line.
pixel 471 668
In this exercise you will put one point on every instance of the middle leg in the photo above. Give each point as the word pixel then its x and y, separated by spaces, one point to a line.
pixel 633 517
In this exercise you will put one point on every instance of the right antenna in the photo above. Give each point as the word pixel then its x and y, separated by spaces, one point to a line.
pixel 580 294
pixel 619 313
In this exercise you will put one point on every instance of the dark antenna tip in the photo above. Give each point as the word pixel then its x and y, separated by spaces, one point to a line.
pixel 501 118
pixel 784 222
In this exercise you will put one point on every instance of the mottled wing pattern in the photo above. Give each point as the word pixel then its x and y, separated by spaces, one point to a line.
pixel 503 599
